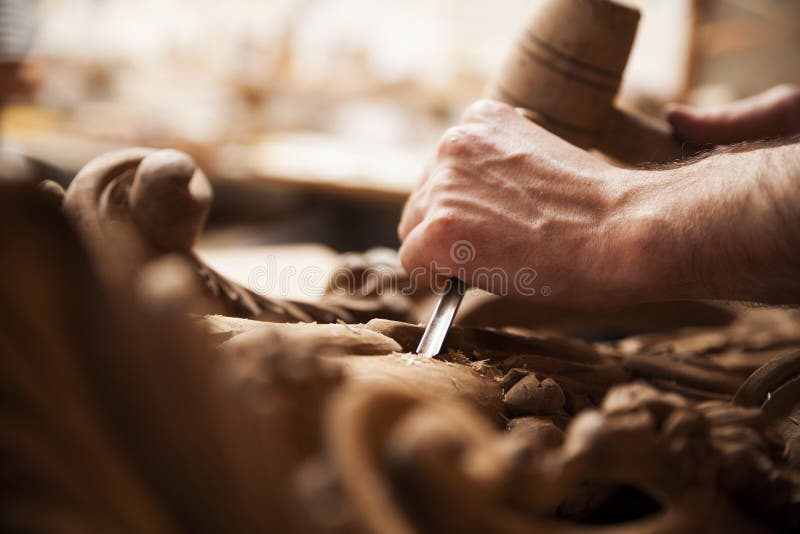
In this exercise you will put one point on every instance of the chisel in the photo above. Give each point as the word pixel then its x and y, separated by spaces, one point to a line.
pixel 442 317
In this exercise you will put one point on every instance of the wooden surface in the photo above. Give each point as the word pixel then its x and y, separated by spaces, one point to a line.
pixel 298 161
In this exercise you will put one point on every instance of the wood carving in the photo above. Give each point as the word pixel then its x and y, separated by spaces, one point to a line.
pixel 137 204
pixel 126 406
pixel 374 284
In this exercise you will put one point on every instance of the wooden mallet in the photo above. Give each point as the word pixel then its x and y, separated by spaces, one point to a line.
pixel 565 71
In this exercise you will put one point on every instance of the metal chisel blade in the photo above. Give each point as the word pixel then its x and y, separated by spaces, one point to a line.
pixel 442 317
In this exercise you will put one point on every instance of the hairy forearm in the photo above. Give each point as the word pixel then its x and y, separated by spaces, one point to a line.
pixel 729 225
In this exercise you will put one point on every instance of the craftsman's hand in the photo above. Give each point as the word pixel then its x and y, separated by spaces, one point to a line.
pixel 771 114
pixel 504 198
pixel 514 209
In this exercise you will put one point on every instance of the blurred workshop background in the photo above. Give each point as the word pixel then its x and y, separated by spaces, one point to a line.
pixel 313 118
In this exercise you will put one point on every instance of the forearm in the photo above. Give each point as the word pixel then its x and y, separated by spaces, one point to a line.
pixel 730 226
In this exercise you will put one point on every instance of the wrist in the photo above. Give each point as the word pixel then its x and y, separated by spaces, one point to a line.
pixel 748 227
pixel 722 228
pixel 653 248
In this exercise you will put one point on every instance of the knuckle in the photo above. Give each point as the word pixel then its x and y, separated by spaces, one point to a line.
pixel 466 142
pixel 457 142
pixel 486 109
pixel 443 226
pixel 445 181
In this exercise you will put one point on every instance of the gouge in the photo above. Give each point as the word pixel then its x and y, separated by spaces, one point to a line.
pixel 433 338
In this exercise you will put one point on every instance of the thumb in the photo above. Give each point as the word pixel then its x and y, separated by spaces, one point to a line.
pixel 773 113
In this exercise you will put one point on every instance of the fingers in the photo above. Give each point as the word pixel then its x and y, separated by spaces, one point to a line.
pixel 442 180
pixel 773 113
pixel 426 253
pixel 413 213
pixel 457 144
pixel 414 248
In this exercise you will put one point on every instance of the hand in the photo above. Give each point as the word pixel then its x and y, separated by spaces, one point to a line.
pixel 521 199
pixel 771 114
pixel 525 200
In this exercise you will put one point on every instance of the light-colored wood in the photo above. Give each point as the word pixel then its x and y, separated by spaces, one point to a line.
pixel 633 138
pixel 566 68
